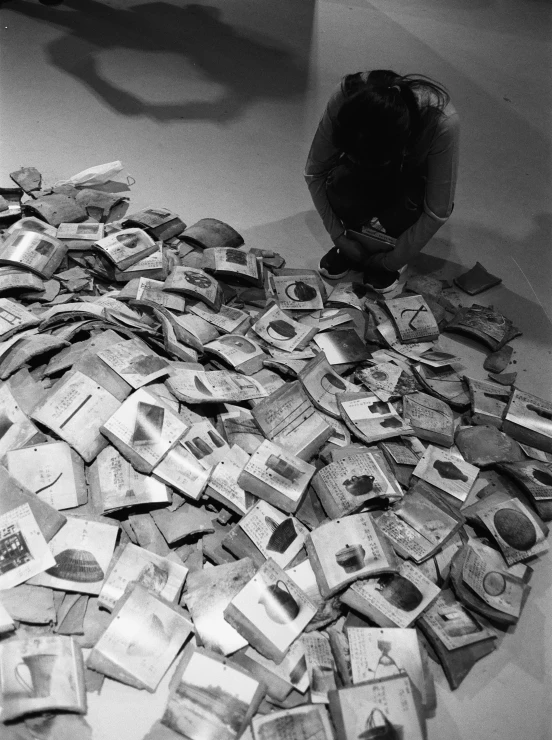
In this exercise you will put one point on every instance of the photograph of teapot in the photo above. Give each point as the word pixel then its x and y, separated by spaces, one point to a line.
pixel 359 485
pixel 279 604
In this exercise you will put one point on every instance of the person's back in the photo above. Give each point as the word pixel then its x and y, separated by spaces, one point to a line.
pixel 385 151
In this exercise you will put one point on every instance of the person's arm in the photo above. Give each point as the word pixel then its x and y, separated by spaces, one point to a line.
pixel 439 196
pixel 323 157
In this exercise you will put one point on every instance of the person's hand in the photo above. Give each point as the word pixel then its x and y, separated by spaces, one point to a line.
pixel 350 248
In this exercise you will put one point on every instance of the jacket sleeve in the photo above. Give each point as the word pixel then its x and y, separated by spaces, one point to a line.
pixel 323 157
pixel 442 172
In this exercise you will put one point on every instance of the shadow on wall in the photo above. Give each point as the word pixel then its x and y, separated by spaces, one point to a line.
pixel 248 67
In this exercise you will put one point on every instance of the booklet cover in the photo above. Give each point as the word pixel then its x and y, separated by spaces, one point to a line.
pixel 453 625
pixel 53 471
pixel 380 653
pixel 323 384
pixel 280 678
pixel 223 483
pixel 448 471
pixel 41 674
pixel 270 611
pixel 371 419
pixel 277 476
pixel 208 593
pixel 82 550
pixel 413 318
pixel 211 698
pixel 488 401
pixel 75 409
pixel 530 414
pixel 309 721
pixel 427 352
pixel 144 430
pixel 385 709
pixel 342 346
pixel 320 666
pixel 281 331
pixel 419 525
pixel 344 550
pixel 515 529
pixel 228 320
pixel 346 485
pixel 135 362
pixel 395 599
pixel 183 471
pixel 276 535
pixel 237 263
pixel 288 418
pixel 204 442
pixel 387 380
pixel 195 283
pixel 297 292
pixel 14 318
pixel 39 252
pixel 89 231
pixel 115 483
pixel 127 247
pixel 485 573
pixel 200 386
pixel 23 550
pixel 162 576
pixel 430 418
pixel 16 428
pixel 147 289
pixel 239 352
pixel 141 641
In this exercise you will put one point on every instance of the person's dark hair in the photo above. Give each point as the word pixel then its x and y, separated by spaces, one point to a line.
pixel 381 118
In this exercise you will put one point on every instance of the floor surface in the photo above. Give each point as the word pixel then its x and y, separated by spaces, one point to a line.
pixel 211 107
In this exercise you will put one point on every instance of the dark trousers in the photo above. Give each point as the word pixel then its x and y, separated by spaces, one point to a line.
pixel 357 196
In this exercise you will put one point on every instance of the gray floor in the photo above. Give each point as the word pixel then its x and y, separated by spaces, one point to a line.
pixel 211 108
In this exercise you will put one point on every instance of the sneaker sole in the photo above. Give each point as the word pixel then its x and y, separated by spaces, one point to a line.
pixel 382 291
pixel 331 276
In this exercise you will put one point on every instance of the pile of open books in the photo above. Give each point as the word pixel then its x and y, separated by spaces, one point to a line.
pixel 288 494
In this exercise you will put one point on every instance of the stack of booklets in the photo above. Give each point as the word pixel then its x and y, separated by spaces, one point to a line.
pixel 210 477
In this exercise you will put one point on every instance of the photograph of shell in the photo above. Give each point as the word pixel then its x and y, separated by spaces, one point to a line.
pixel 82 550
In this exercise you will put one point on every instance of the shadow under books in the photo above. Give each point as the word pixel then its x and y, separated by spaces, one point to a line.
pixel 247 65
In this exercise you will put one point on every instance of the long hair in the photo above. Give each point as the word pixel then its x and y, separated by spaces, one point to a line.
pixel 381 118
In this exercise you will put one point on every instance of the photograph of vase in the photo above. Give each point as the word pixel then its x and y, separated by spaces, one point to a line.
pixel 279 604
pixel 34 674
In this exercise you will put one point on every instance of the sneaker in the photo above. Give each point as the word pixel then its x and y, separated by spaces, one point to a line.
pixel 381 280
pixel 334 265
